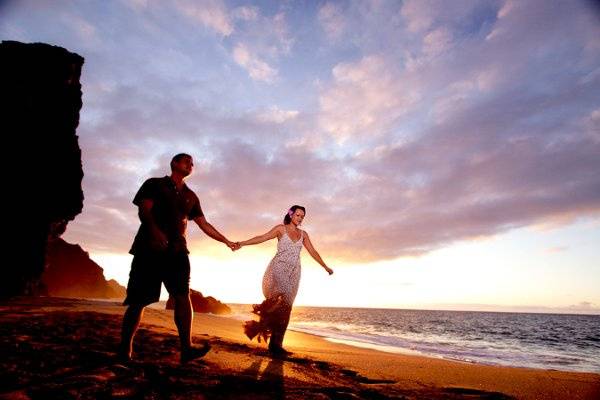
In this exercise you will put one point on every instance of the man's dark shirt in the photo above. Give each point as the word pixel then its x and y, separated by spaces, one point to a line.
pixel 171 210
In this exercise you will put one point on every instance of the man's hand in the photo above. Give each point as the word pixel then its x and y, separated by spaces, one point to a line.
pixel 159 240
pixel 329 270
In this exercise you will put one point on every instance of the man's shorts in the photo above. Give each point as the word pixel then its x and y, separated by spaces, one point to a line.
pixel 150 270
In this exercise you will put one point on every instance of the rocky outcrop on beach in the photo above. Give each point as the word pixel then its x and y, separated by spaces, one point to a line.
pixel 71 273
pixel 202 304
pixel 40 104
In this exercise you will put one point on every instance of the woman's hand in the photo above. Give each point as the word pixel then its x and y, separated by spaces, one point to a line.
pixel 329 270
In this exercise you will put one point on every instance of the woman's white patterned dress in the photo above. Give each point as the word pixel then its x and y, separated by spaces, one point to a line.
pixel 282 276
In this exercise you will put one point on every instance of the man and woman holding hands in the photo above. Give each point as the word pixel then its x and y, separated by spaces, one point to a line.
pixel 160 255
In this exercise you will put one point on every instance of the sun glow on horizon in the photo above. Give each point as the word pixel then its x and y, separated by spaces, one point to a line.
pixel 485 274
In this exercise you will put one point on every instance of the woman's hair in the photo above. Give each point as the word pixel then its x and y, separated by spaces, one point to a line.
pixel 288 217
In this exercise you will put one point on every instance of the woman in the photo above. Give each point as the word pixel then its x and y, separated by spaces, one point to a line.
pixel 281 279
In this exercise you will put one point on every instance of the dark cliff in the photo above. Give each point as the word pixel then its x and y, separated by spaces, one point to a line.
pixel 71 273
pixel 40 104
pixel 202 304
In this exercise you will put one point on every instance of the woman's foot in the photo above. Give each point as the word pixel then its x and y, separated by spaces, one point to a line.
pixel 279 352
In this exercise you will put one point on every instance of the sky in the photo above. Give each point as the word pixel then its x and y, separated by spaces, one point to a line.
pixel 447 153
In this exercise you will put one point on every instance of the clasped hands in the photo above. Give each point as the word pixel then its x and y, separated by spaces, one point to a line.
pixel 233 245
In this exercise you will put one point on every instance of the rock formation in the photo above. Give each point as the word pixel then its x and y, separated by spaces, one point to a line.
pixel 71 273
pixel 40 103
pixel 202 304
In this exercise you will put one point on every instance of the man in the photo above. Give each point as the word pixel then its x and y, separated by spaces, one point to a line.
pixel 160 254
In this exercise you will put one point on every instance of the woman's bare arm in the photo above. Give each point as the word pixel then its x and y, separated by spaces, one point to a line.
pixel 272 234
pixel 314 253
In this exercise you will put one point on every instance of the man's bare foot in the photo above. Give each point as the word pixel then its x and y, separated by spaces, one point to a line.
pixel 123 355
pixel 194 353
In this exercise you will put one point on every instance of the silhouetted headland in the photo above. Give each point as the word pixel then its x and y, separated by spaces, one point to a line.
pixel 41 100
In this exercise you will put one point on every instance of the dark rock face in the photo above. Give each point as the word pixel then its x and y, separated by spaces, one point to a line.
pixel 71 273
pixel 40 103
pixel 202 304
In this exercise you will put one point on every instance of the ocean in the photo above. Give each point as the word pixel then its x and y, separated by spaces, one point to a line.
pixel 548 341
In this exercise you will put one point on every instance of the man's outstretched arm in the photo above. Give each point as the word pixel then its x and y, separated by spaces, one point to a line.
pixel 214 233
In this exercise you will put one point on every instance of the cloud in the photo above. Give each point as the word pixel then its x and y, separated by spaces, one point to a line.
pixel 258 69
pixel 277 115
pixel 260 42
pixel 245 13
pixel 86 31
pixel 417 14
pixel 211 13
pixel 422 15
pixel 281 33
pixel 447 186
pixel 436 42
pixel 136 4
pixel 443 132
pixel 591 125
pixel 498 144
pixel 364 99
pixel 556 249
pixel 464 146
pixel 584 306
pixel 332 20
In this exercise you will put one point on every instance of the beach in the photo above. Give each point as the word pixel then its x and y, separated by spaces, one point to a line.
pixel 64 348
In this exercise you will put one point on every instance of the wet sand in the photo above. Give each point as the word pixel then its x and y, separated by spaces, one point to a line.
pixel 64 349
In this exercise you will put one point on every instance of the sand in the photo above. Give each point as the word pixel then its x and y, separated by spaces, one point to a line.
pixel 64 349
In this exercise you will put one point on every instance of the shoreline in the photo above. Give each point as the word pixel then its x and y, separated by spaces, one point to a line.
pixel 317 365
pixel 391 349
pixel 468 351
